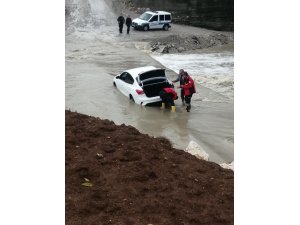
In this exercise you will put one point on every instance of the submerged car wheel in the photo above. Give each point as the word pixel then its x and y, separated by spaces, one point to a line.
pixel 166 27
pixel 131 98
pixel 146 28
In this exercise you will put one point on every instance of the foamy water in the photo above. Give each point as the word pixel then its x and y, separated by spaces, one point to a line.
pixel 89 19
pixel 212 70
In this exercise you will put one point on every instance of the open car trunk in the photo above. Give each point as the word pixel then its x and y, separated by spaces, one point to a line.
pixel 155 87
pixel 153 82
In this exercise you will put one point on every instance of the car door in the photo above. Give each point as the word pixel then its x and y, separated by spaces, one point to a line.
pixel 126 83
pixel 154 23
pixel 121 82
pixel 161 20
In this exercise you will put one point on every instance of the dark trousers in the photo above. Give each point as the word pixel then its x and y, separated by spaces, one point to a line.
pixel 188 99
pixel 188 102
pixel 128 29
pixel 166 98
pixel 121 28
pixel 182 94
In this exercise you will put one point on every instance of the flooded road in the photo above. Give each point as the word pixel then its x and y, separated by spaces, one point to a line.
pixel 95 53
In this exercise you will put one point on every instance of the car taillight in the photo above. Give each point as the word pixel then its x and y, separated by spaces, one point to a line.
pixel 139 92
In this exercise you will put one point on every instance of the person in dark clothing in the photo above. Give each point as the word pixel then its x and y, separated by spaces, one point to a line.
pixel 188 89
pixel 121 21
pixel 180 79
pixel 168 95
pixel 128 23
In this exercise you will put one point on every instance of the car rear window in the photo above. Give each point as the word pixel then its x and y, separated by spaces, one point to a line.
pixel 152 74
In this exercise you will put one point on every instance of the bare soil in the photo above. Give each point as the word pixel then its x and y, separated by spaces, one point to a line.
pixel 117 175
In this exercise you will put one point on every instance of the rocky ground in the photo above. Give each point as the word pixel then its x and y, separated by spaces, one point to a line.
pixel 117 175
pixel 178 43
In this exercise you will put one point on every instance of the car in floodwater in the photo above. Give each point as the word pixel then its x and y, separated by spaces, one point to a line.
pixel 153 20
pixel 142 85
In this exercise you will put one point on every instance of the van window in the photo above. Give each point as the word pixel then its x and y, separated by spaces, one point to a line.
pixel 145 16
pixel 161 17
pixel 154 18
pixel 168 17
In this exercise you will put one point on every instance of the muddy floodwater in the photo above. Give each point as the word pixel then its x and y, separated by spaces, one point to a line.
pixel 95 52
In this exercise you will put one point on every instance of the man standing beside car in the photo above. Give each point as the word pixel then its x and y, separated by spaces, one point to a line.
pixel 180 78
pixel 128 23
pixel 121 21
pixel 188 89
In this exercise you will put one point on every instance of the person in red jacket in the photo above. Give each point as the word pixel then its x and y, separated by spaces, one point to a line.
pixel 188 89
pixel 168 95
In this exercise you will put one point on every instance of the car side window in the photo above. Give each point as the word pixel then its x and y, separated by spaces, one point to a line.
pixel 123 76
pixel 161 17
pixel 154 18
pixel 168 17
pixel 129 79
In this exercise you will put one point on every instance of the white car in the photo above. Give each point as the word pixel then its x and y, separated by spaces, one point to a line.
pixel 142 85
pixel 153 20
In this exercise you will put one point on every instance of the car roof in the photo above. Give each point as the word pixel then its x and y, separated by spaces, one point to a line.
pixel 136 71
pixel 158 12
pixel 162 12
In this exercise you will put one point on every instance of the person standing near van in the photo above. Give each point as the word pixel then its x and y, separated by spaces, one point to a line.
pixel 128 23
pixel 121 21
pixel 180 78
pixel 188 89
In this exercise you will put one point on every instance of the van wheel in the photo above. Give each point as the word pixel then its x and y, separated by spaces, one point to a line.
pixel 146 28
pixel 131 98
pixel 166 27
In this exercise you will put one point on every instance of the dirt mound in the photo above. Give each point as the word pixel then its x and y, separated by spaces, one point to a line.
pixel 116 175
pixel 177 43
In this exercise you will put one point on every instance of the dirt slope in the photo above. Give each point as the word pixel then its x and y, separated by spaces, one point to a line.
pixel 138 179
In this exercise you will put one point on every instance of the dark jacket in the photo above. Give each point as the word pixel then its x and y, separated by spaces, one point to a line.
pixel 128 21
pixel 121 20
pixel 180 78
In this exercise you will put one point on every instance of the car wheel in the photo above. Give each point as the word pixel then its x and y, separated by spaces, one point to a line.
pixel 146 28
pixel 166 27
pixel 131 98
pixel 115 84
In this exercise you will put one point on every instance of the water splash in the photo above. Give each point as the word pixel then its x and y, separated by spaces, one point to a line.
pixel 93 16
pixel 212 70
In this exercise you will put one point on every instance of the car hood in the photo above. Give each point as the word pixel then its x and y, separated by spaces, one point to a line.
pixel 139 21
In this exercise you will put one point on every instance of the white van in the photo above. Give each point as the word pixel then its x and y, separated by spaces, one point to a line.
pixel 153 20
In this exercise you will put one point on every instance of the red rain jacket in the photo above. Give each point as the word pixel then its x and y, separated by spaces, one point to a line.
pixel 189 87
pixel 171 91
